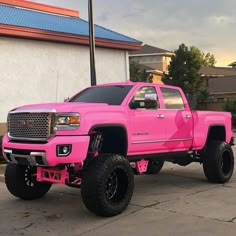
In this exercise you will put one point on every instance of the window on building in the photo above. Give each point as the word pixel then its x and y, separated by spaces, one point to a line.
pixel 220 99
pixel 148 59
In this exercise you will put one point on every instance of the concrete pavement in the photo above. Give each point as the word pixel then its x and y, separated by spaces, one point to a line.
pixel 178 201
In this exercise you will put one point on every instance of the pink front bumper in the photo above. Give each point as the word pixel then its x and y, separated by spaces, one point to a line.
pixel 46 154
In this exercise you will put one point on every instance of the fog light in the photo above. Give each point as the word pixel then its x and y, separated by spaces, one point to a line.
pixel 63 150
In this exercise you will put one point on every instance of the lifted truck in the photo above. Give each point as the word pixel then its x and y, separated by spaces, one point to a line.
pixel 101 136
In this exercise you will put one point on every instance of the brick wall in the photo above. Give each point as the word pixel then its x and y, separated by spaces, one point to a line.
pixel 156 79
pixel 211 106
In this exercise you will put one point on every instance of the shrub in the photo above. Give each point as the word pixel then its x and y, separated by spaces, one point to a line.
pixel 230 106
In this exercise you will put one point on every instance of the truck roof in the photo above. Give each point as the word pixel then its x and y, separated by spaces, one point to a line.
pixel 129 82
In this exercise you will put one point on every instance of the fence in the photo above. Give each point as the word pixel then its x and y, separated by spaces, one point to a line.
pixel 211 106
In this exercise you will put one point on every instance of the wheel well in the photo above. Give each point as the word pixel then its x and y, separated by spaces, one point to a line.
pixel 114 139
pixel 216 133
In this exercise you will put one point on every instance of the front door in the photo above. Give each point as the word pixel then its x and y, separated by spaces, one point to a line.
pixel 147 128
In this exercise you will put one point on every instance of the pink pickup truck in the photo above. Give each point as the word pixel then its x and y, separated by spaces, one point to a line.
pixel 98 139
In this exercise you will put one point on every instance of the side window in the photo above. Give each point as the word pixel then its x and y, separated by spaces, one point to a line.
pixel 145 98
pixel 172 98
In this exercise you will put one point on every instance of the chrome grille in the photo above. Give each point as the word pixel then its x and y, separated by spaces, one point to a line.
pixel 29 126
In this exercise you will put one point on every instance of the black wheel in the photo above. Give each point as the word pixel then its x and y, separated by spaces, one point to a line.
pixel 21 182
pixel 218 162
pixel 107 185
pixel 154 167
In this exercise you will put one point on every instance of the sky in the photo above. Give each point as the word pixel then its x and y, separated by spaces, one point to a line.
pixel 209 25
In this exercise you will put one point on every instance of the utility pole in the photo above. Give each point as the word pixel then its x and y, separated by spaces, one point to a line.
pixel 91 44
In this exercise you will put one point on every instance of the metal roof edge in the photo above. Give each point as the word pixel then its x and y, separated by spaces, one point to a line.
pixel 30 33
pixel 41 7
pixel 152 54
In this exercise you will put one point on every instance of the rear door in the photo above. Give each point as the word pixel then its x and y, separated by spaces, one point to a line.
pixel 178 119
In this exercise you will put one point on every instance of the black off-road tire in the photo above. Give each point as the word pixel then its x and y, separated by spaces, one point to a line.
pixel 107 185
pixel 22 183
pixel 218 162
pixel 154 167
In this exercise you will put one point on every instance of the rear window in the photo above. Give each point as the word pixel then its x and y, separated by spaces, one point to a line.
pixel 172 98
pixel 112 95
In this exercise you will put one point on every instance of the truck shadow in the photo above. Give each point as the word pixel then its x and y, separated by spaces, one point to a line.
pixel 62 207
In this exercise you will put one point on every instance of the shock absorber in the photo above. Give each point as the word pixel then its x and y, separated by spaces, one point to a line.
pixel 95 143
pixel 95 146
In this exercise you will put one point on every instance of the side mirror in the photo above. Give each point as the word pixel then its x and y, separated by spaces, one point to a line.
pixel 151 104
pixel 144 104
pixel 133 105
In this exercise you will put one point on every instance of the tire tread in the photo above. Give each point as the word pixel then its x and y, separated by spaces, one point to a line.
pixel 92 189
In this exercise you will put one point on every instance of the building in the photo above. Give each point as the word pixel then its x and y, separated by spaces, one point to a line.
pixel 155 60
pixel 233 64
pixel 221 85
pixel 45 54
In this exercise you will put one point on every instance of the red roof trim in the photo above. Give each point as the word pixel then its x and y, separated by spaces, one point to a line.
pixel 23 32
pixel 41 7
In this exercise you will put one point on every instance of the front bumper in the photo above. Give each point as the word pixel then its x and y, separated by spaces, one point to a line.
pixel 45 154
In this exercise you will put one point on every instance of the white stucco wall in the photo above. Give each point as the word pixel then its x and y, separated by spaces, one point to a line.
pixel 35 72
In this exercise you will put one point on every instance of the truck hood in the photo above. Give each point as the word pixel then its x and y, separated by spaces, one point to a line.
pixel 63 107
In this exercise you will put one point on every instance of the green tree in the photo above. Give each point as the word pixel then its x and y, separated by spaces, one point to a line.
pixel 184 72
pixel 208 60
pixel 138 73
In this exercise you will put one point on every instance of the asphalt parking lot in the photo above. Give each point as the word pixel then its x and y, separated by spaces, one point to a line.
pixel 178 201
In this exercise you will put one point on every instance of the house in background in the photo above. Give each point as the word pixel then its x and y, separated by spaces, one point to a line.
pixel 221 85
pixel 45 54
pixel 233 64
pixel 155 60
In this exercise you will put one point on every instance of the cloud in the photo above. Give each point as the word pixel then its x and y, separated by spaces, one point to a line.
pixel 206 24
pixel 222 20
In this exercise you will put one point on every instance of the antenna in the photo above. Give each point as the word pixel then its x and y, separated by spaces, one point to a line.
pixel 91 44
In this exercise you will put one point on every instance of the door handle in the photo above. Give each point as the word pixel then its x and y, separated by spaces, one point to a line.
pixel 187 116
pixel 160 116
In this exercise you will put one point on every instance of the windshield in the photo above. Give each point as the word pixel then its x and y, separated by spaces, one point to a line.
pixel 112 95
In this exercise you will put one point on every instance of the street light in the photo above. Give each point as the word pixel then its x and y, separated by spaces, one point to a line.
pixel 91 43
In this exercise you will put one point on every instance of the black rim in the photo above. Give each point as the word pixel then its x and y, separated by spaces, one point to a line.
pixel 116 186
pixel 112 185
pixel 30 178
pixel 226 164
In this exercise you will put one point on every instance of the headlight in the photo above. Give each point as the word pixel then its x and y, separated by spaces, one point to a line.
pixel 67 121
